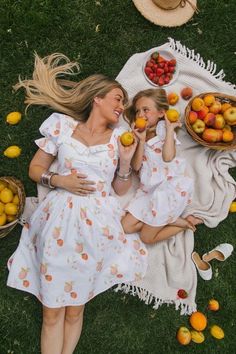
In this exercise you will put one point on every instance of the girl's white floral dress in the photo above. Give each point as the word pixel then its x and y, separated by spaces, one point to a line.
pixel 165 187
pixel 74 247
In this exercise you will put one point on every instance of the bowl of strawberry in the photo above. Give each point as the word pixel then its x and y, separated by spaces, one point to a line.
pixel 160 68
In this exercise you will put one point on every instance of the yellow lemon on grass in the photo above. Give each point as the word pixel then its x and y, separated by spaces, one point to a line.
pixel 3 219
pixel 2 185
pixel 11 209
pixel 217 332
pixel 232 208
pixel 2 207
pixel 127 139
pixel 172 115
pixel 6 195
pixel 13 118
pixel 12 151
pixel 197 337
pixel 16 200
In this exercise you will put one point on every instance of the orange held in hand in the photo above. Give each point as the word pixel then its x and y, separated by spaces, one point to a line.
pixel 127 139
pixel 198 321
pixel 140 123
pixel 172 115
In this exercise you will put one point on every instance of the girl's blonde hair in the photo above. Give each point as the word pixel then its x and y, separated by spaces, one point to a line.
pixel 48 88
pixel 157 95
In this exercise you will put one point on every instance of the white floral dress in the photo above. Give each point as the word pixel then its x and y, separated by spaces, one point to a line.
pixel 165 187
pixel 74 247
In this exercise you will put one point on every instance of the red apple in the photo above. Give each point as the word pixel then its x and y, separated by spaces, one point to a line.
pixel 209 120
pixel 203 112
pixel 210 135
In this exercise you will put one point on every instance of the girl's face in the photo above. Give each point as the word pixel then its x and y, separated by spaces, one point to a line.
pixel 111 106
pixel 146 108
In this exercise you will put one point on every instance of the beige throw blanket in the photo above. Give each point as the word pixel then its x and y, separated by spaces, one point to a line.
pixel 170 265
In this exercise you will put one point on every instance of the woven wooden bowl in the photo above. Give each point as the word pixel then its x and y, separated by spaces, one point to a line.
pixel 18 187
pixel 223 98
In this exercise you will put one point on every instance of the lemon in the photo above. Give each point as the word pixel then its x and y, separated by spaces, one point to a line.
pixel 232 208
pixel 2 185
pixel 11 218
pixel 16 200
pixel 3 219
pixel 217 332
pixel 2 207
pixel 11 209
pixel 6 195
pixel 127 138
pixel 13 118
pixel 12 151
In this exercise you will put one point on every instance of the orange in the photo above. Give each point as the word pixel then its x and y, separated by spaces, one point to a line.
pixel 140 123
pixel 198 321
pixel 172 115
pixel 127 139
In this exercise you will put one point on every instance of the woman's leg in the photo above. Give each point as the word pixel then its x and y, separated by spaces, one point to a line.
pixel 150 234
pixel 52 330
pixel 72 328
pixel 131 224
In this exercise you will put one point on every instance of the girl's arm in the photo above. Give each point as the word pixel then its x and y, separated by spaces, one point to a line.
pixel 169 150
pixel 138 156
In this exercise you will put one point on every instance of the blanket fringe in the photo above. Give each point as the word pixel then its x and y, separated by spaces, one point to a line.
pixel 148 298
pixel 210 66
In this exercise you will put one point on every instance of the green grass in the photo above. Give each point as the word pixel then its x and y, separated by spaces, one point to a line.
pixel 114 323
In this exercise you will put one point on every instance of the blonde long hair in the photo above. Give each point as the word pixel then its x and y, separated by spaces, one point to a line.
pixel 48 88
pixel 157 95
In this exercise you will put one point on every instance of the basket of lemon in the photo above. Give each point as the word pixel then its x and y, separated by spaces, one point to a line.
pixel 12 202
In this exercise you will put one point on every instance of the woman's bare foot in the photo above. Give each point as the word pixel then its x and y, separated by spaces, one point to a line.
pixel 184 223
pixel 194 220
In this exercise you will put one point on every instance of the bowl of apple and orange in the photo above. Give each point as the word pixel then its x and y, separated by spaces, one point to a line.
pixel 210 119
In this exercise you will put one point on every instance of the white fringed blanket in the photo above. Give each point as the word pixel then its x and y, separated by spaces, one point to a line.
pixel 170 266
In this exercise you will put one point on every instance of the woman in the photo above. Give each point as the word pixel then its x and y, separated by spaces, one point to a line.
pixel 74 246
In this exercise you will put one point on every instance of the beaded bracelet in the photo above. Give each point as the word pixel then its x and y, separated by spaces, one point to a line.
pixel 46 179
pixel 125 176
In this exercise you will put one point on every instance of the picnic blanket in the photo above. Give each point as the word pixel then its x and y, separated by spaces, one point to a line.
pixel 170 267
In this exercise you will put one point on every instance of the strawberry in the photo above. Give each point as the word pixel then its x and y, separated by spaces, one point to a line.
pixel 161 59
pixel 182 294
pixel 159 71
pixel 166 69
pixel 166 79
pixel 156 80
pixel 155 55
pixel 148 70
pixel 151 76
pixel 161 81
pixel 149 63
pixel 161 65
pixel 171 69
pixel 172 62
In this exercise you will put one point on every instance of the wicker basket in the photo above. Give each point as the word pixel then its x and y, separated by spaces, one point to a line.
pixel 218 145
pixel 19 188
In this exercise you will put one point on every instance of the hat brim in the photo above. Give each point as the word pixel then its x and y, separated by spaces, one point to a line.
pixel 166 18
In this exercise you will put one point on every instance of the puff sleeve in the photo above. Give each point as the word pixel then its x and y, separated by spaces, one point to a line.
pixel 51 130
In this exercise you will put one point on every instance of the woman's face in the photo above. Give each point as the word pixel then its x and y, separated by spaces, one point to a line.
pixel 146 108
pixel 112 105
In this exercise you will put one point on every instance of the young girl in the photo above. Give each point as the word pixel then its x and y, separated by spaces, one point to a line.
pixel 74 246
pixel 165 186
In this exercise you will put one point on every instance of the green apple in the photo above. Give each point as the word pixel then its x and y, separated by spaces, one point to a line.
pixel 199 126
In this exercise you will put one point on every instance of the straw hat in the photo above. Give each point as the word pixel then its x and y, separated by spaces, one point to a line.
pixel 168 13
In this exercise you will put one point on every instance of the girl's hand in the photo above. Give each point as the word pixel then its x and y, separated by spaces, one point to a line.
pixel 77 183
pixel 126 152
pixel 172 125
pixel 140 136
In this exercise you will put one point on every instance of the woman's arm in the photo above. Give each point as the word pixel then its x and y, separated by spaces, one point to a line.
pixel 74 182
pixel 122 179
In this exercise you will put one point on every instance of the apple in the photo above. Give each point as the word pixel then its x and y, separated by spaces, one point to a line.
pixel 203 112
pixel 192 117
pixel 209 120
pixel 228 136
pixel 209 100
pixel 219 134
pixel 219 122
pixel 230 115
pixel 186 93
pixel 199 126
pixel 210 135
pixel 197 104
pixel 215 107
pixel 172 98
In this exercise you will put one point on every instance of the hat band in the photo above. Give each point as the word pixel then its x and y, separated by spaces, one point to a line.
pixel 181 3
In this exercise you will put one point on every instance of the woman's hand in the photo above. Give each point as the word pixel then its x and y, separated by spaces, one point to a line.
pixel 75 183
pixel 126 152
